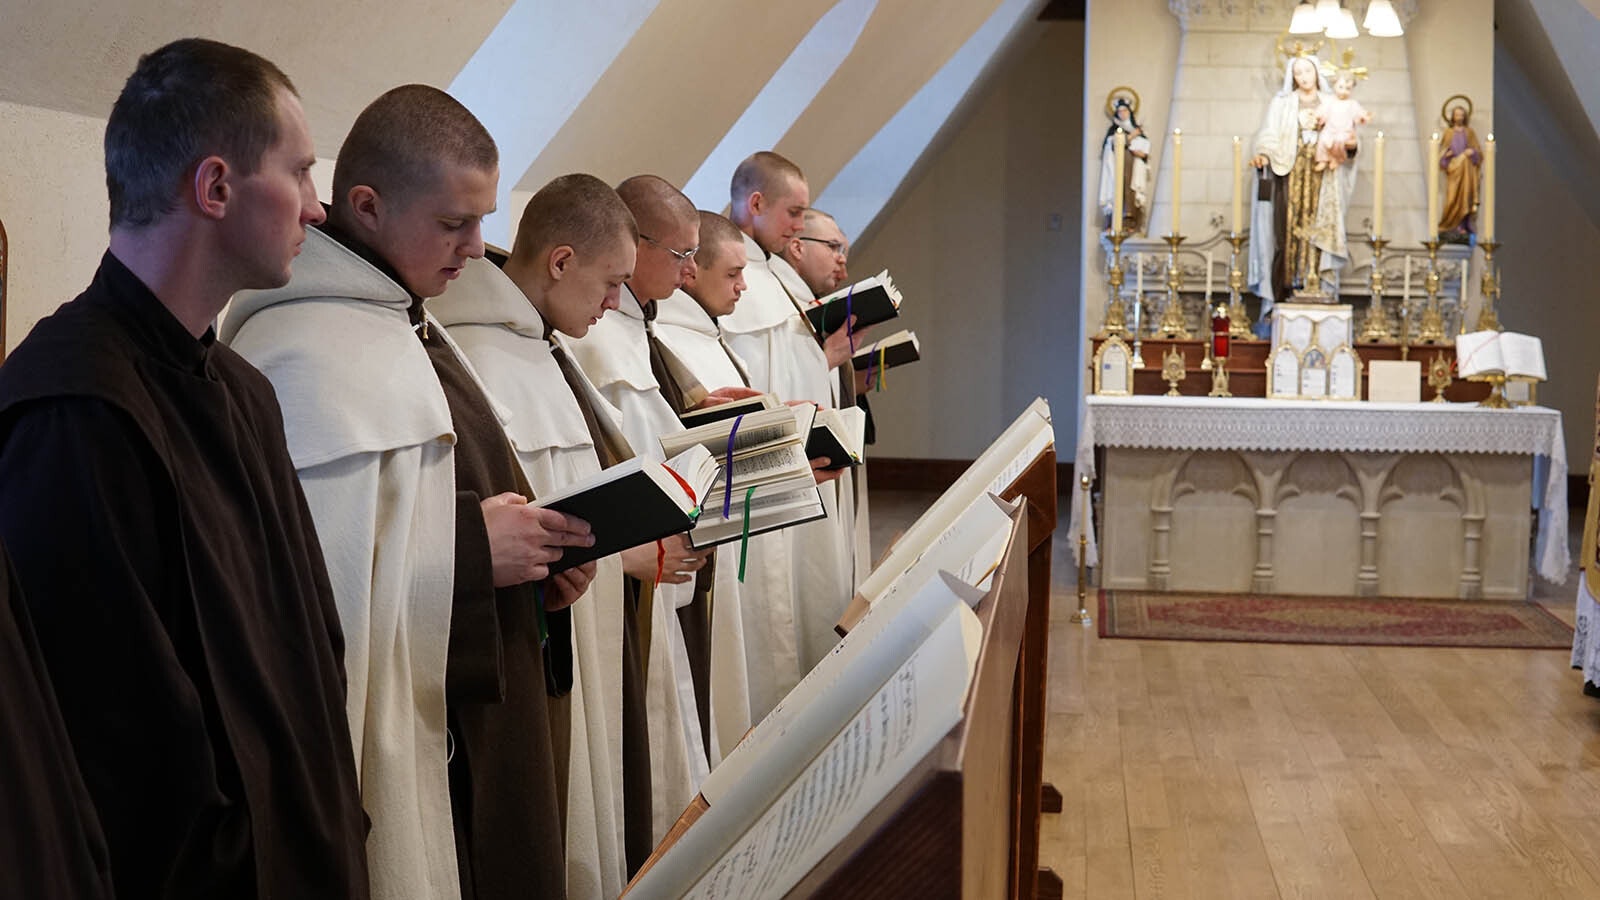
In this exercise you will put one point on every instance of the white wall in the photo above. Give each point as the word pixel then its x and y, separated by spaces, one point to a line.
pixel 53 203
pixel 990 286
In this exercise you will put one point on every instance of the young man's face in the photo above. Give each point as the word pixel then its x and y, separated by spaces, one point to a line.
pixel 780 215
pixel 266 223
pixel 718 286
pixel 817 254
pixel 659 270
pixel 429 236
pixel 584 286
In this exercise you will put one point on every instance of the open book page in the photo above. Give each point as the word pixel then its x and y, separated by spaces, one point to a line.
pixel 1524 356
pixel 1000 465
pixel 756 431
pixel 768 831
pixel 899 337
pixel 1500 353
pixel 881 279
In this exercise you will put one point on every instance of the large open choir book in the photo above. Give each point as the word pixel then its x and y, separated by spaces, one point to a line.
pixel 906 763
pixel 764 480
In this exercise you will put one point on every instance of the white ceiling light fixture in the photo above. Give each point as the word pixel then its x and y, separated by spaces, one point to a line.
pixel 1344 26
pixel 1381 20
pixel 1328 12
pixel 1305 20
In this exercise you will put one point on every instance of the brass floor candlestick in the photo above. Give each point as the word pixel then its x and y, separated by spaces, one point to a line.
pixel 1431 329
pixel 1488 318
pixel 1377 328
pixel 1172 317
pixel 1082 616
pixel 1238 319
pixel 1116 322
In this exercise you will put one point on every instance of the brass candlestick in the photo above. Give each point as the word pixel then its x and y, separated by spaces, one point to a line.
pixel 1238 319
pixel 1219 379
pixel 1116 322
pixel 1497 392
pixel 1173 369
pixel 1082 615
pixel 1172 317
pixel 1488 319
pixel 1431 330
pixel 1377 327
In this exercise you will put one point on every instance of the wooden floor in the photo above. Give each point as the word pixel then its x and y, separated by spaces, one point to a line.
pixel 1215 770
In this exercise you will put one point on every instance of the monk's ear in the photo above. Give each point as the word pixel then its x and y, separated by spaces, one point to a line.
pixel 562 260
pixel 756 203
pixel 212 186
pixel 366 206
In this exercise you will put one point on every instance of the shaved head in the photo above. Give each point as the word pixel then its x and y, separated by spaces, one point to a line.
pixel 579 211
pixel 716 232
pixel 762 171
pixel 404 139
pixel 657 206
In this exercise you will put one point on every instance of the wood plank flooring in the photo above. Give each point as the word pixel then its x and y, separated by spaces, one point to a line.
pixel 1208 770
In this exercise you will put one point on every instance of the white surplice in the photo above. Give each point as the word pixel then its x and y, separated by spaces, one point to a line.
pixel 615 355
pixel 371 437
pixel 768 331
pixel 767 596
pixel 502 335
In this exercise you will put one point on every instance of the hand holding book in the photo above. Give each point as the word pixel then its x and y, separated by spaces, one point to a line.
pixel 524 540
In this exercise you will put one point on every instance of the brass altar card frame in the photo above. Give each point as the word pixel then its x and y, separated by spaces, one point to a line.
pixel 1113 368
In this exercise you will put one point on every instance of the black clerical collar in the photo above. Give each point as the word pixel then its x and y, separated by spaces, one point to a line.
pixel 648 310
pixel 354 245
pixel 148 319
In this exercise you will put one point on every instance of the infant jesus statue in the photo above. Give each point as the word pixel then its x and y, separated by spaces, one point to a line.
pixel 1339 118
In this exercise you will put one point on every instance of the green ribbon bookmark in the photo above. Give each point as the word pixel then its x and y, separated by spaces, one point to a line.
pixel 744 540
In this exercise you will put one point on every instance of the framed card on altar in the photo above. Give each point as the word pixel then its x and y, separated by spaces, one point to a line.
pixel 1113 368
pixel 1283 373
pixel 1313 374
pixel 1344 374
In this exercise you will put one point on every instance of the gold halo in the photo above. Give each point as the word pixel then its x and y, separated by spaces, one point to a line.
pixel 1111 100
pixel 1444 111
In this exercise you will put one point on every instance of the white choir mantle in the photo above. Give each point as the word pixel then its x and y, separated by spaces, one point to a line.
pixel 1366 441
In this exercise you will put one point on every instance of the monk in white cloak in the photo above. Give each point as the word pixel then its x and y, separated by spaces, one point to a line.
pixel 575 247
pixel 785 357
pixel 705 635
pixel 439 565
pixel 687 326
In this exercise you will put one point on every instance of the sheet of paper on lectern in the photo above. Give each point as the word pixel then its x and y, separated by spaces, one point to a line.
pixel 796 800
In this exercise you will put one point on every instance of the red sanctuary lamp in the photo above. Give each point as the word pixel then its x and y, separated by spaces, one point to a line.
pixel 1220 345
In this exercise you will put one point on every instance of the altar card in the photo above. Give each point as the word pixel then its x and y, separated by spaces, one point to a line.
pixel 1394 381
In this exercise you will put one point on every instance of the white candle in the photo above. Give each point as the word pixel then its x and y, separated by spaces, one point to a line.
pixel 1177 175
pixel 1405 289
pixel 1377 187
pixel 1238 178
pixel 1463 294
pixel 1433 187
pixel 1116 195
pixel 1139 278
pixel 1488 190
pixel 1208 279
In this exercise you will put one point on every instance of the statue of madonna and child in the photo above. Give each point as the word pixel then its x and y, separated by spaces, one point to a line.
pixel 1305 179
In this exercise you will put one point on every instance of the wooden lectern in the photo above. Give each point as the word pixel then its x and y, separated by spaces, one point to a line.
pixel 965 822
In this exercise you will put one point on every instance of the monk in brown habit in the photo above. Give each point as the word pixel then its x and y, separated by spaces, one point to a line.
pixel 425 516
pixel 160 536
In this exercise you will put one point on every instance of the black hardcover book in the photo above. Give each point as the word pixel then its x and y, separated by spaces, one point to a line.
pixel 837 434
pixel 871 301
pixel 635 502
pixel 897 350
pixel 729 410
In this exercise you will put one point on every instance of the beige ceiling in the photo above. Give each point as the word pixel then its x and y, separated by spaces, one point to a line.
pixel 73 55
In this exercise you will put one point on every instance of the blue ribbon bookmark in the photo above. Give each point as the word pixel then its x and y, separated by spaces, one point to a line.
pixel 727 472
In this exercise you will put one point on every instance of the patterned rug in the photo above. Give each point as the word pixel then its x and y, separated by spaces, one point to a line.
pixel 1329 620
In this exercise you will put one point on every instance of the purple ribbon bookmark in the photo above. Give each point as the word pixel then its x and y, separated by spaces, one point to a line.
pixel 727 472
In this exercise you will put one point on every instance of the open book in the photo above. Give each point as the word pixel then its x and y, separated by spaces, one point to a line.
pixel 895 350
pixel 764 479
pixel 838 434
pixel 871 300
pixel 879 712
pixel 635 502
pixel 1515 356
pixel 991 473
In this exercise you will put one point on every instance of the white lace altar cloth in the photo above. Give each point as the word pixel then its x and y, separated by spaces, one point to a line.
pixel 1249 423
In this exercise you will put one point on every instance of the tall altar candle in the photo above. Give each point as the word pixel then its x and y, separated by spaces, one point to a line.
pixel 1116 195
pixel 1405 285
pixel 1488 190
pixel 1208 281
pixel 1139 276
pixel 1377 184
pixel 1238 178
pixel 1433 187
pixel 1177 175
pixel 1463 295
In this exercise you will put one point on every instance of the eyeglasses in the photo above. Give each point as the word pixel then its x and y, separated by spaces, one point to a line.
pixel 682 257
pixel 836 246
